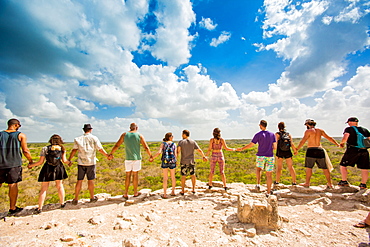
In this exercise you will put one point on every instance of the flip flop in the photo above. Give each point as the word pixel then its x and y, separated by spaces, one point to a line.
pixel 305 185
pixel 138 194
pixel 361 225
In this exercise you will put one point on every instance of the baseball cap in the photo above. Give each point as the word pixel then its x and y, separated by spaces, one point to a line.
pixel 352 119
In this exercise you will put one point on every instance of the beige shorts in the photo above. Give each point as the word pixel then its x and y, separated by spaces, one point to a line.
pixel 133 165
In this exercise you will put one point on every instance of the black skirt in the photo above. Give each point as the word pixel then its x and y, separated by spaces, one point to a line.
pixel 51 173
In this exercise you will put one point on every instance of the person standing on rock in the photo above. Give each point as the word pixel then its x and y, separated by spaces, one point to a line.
pixel 215 145
pixel 52 170
pixel 86 146
pixel 132 140
pixel 355 154
pixel 169 159
pixel 265 155
pixel 11 143
pixel 284 151
pixel 185 149
pixel 315 153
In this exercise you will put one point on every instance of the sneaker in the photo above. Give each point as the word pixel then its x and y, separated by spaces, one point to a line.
pixel 268 194
pixel 14 211
pixel 95 199
pixel 63 205
pixel 363 186
pixel 343 183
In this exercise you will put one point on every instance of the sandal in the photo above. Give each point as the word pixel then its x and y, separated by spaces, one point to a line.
pixel 126 197
pixel 138 194
pixel 164 196
pixel 361 225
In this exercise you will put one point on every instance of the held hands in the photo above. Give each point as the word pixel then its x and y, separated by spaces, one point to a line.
pixel 110 156
pixel 205 158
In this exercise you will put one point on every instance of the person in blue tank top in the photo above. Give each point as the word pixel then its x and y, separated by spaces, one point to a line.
pixel 11 143
pixel 132 140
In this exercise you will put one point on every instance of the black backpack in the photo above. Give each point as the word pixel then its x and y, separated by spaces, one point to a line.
pixel 53 157
pixel 284 141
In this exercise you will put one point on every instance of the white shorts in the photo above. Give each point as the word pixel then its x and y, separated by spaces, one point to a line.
pixel 133 165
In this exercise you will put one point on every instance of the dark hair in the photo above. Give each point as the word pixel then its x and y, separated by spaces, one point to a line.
pixel 186 132
pixel 13 121
pixel 217 133
pixel 167 137
pixel 57 140
pixel 263 123
pixel 281 126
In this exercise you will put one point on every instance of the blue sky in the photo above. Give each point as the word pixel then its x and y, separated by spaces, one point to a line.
pixel 170 65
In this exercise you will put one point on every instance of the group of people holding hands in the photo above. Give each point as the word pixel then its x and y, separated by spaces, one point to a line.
pixel 13 143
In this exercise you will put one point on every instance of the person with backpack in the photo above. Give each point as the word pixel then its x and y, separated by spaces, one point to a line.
pixel 215 145
pixel 356 152
pixel 52 156
pixel 169 158
pixel 283 151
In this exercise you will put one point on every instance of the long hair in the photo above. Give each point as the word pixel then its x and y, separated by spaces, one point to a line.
pixel 167 137
pixel 57 140
pixel 217 133
pixel 281 126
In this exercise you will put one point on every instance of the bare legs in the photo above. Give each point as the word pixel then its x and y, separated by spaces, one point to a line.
pixel 165 180
pixel 44 188
pixel 193 181
pixel 135 181
pixel 78 189
pixel 309 175
pixel 364 175
pixel 13 195
pixel 279 169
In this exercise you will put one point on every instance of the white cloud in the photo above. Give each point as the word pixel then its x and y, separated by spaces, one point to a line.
pixel 307 43
pixel 224 36
pixel 67 59
pixel 172 36
pixel 207 23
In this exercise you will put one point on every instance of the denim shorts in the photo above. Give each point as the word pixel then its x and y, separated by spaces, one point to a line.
pixel 168 165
